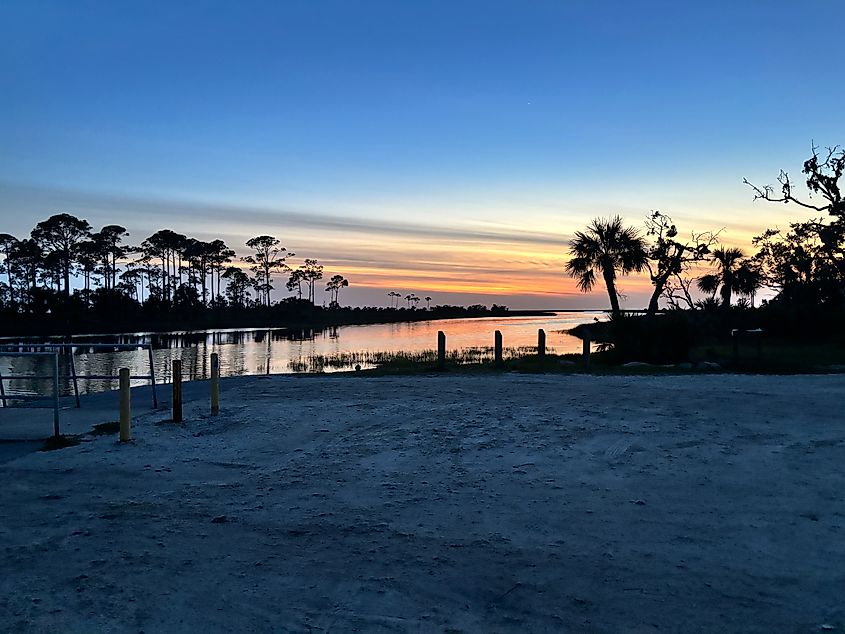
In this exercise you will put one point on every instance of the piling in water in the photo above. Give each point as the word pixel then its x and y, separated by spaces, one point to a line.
pixel 441 349
pixel 497 340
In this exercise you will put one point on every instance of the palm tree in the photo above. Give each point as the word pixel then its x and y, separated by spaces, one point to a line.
pixel 606 248
pixel 731 276
pixel 427 303
pixel 749 279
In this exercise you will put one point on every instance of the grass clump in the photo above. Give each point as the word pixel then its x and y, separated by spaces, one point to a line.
pixel 59 442
pixel 105 429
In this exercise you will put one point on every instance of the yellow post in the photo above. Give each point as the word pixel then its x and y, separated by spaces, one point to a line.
pixel 215 384
pixel 125 406
pixel 177 391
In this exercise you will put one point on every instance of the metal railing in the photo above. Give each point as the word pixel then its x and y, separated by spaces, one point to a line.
pixel 20 349
pixel 33 397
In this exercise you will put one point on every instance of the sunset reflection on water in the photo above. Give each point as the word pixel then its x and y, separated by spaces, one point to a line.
pixel 282 351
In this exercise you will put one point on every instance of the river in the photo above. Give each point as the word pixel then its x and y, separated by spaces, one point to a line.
pixel 281 350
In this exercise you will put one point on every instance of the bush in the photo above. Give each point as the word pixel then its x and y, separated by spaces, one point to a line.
pixel 664 338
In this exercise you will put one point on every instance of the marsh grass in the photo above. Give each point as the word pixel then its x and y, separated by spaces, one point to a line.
pixel 778 357
pixel 421 359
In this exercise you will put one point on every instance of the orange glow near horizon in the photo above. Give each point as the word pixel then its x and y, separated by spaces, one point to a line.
pixel 460 266
pixel 462 262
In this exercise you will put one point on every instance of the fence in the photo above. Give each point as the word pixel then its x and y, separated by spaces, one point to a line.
pixel 21 349
pixel 33 397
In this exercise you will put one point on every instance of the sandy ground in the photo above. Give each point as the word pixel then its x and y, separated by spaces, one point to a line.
pixel 479 504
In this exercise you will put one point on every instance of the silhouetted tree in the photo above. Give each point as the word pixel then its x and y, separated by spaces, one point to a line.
pixel 132 280
pixel 198 254
pixel 166 246
pixel 294 283
pixel 218 255
pixel 109 239
pixel 311 274
pixel 411 298
pixel 669 258
pixel 8 243
pixel 807 263
pixel 27 258
pixel 88 257
pixel 334 285
pixel 237 286
pixel 59 235
pixel 606 248
pixel 799 265
pixel 268 257
pixel 733 275
pixel 427 303
pixel 52 270
pixel 822 179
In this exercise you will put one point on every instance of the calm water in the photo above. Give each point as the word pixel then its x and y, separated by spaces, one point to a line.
pixel 280 351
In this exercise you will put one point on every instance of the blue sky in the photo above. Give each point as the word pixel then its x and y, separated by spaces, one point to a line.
pixel 392 137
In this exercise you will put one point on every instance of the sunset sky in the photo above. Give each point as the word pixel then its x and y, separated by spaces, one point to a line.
pixel 447 148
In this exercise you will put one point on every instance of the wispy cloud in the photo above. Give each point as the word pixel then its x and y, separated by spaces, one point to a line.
pixel 155 212
pixel 469 260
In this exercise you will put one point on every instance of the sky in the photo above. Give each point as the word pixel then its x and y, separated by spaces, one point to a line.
pixel 445 148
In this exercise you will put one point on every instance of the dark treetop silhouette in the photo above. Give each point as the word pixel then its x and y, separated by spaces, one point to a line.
pixel 168 281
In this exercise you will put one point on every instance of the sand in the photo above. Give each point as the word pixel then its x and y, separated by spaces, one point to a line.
pixel 498 503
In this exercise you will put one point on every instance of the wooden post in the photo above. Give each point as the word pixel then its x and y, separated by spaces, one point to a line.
pixel 2 391
pixel 177 391
pixel 125 407
pixel 73 374
pixel 215 384
pixel 441 349
pixel 497 348
pixel 56 394
pixel 585 350
pixel 152 374
pixel 541 344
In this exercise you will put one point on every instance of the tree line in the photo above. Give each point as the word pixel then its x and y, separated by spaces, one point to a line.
pixel 166 268
pixel 803 266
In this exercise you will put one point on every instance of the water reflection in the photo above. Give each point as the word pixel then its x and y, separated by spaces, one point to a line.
pixel 279 350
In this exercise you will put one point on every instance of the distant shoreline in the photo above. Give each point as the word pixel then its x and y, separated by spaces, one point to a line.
pixel 319 320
